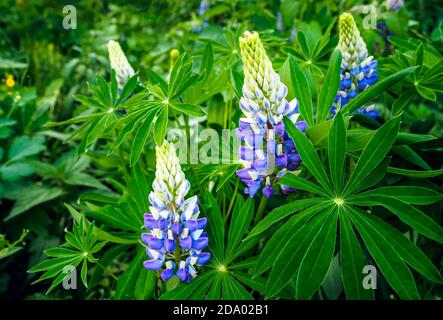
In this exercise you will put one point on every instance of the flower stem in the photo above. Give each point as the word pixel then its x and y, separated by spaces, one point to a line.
pixel 261 209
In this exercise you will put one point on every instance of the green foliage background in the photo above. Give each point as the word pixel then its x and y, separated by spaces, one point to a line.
pixel 74 178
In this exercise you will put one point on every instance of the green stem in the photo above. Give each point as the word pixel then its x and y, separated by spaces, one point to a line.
pixel 108 271
pixel 231 204
pixel 261 209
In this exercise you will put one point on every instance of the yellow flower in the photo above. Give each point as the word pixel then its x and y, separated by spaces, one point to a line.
pixel 10 82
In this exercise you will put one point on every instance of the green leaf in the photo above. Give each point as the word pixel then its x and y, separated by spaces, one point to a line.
pixel 411 156
pixel 145 285
pixel 375 177
pixel 112 216
pixel 317 258
pixel 208 60
pixel 128 280
pixel 337 151
pixel 183 291
pixel 426 93
pixel 307 154
pixel 352 261
pixel 76 119
pixel 291 179
pixel 303 44
pixel 33 196
pixel 409 252
pixel 25 146
pixel 141 137
pixel 84 273
pixel 214 227
pixel 416 173
pixel 374 152
pixel 15 171
pixel 402 102
pixel 277 242
pixel 407 194
pixel 129 87
pixel 407 213
pixel 233 290
pixel 301 89
pixel 160 126
pixel 329 88
pixel 190 109
pixel 375 90
pixel 390 263
pixel 290 257
pixel 240 221
pixel 280 213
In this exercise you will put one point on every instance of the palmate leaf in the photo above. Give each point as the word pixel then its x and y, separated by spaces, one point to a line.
pixel 374 152
pixel 371 167
pixel 277 242
pixel 404 248
pixel 407 213
pixel 81 244
pixel 239 224
pixel 289 259
pixel 352 261
pixel 280 213
pixel 317 258
pixel 388 260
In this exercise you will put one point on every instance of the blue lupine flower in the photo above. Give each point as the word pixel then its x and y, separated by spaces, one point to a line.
pixel 394 5
pixel 358 71
pixel 279 24
pixel 267 152
pixel 204 6
pixel 176 239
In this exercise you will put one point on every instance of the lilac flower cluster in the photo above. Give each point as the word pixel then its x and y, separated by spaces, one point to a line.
pixel 176 239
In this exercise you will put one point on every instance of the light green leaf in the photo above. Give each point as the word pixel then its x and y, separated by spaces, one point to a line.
pixel 300 87
pixel 374 152
pixel 307 154
pixel 329 88
pixel 337 151
pixel 317 258
pixel 388 260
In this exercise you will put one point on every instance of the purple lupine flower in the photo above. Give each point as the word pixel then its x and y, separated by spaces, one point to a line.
pixel 204 6
pixel 176 240
pixel 358 70
pixel 293 34
pixel 267 151
pixel 279 24
pixel 394 5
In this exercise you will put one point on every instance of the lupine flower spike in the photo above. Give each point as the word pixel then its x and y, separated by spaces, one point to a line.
pixel 176 239
pixel 358 70
pixel 394 5
pixel 267 152
pixel 204 6
pixel 119 63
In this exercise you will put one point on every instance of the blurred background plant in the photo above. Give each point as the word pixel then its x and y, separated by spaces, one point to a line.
pixel 46 179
